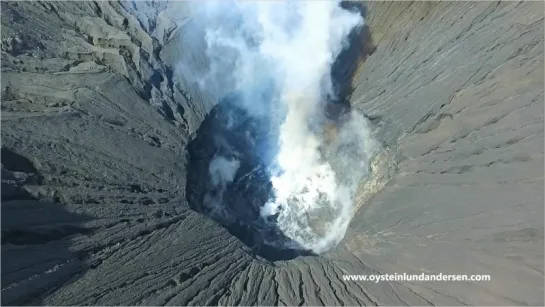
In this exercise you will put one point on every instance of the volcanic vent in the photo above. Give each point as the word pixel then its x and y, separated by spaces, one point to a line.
pixel 232 166
pixel 280 160
pixel 228 178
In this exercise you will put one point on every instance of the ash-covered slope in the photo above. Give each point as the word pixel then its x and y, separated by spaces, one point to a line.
pixel 95 124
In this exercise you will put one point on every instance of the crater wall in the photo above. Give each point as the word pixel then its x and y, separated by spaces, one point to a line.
pixel 95 123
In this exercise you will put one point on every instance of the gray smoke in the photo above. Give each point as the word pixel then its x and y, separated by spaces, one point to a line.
pixel 278 55
pixel 222 172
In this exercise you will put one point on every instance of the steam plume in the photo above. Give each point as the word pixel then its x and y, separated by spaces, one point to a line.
pixel 279 55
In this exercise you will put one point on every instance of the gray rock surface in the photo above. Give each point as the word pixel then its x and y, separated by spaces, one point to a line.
pixel 95 124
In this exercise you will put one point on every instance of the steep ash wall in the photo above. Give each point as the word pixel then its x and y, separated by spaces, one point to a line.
pixel 95 123
pixel 459 88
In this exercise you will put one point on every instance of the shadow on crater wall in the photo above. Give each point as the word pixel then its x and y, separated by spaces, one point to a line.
pixel 35 236
pixel 360 46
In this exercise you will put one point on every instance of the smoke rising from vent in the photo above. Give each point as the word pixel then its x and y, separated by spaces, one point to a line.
pixel 278 56
pixel 222 172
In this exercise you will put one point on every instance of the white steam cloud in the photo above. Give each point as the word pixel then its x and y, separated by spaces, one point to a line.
pixel 286 49
pixel 222 171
